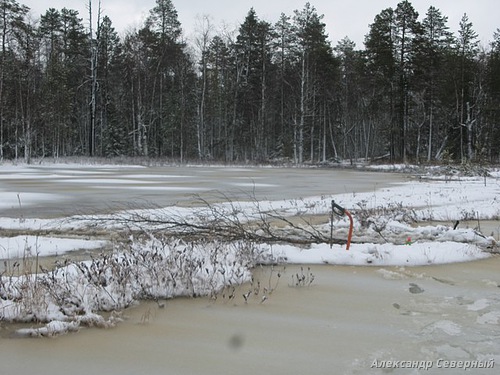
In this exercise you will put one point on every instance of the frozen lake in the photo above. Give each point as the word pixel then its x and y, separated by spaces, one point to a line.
pixel 63 190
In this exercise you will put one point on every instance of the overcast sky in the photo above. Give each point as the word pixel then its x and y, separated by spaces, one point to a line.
pixel 343 18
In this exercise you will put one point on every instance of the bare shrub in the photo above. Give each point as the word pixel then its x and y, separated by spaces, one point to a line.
pixel 150 267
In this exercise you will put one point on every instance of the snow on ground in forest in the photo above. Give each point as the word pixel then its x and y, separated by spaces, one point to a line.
pixel 445 199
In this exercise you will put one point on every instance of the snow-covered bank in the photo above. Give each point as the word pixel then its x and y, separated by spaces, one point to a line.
pixel 417 254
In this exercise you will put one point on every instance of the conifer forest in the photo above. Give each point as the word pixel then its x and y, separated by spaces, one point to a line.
pixel 71 85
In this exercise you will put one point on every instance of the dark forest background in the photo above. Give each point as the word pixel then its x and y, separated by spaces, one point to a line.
pixel 415 92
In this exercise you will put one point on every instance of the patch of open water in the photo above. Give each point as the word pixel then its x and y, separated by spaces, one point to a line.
pixel 346 319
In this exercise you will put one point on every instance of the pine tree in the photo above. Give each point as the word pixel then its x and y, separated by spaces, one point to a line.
pixel 467 48
pixel 253 51
pixel 491 144
pixel 408 30
pixel 430 66
pixel 381 76
pixel 312 51
pixel 284 58
pixel 165 100
pixel 113 127
pixel 391 46
pixel 220 93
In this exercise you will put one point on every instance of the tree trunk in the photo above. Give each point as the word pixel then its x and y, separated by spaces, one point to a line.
pixel 94 47
pixel 469 126
pixel 300 134
pixel 429 141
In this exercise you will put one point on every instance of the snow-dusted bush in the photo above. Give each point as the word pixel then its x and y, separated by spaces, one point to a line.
pixel 148 268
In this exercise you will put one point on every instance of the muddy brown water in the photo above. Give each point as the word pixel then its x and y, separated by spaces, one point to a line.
pixel 346 319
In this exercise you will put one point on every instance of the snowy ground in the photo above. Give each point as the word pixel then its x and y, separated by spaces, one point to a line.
pixel 385 233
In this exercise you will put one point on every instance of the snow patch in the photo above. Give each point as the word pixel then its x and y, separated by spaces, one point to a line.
pixel 478 305
pixel 32 246
pixel 447 326
pixel 492 317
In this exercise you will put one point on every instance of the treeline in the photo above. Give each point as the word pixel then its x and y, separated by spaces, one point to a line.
pixel 414 92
